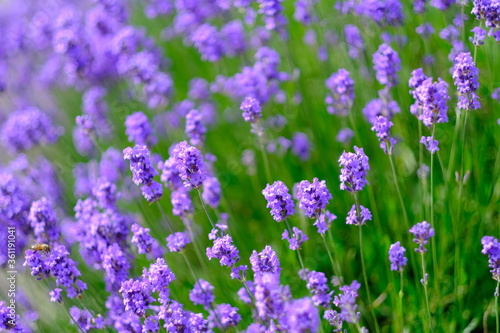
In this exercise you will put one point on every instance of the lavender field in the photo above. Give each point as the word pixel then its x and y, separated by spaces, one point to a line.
pixel 249 166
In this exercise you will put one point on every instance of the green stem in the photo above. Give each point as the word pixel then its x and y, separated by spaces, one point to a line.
pixel 358 212
pixel 336 253
pixel 299 256
pixel 424 282
pixel 165 217
pixel 403 208
pixel 205 209
pixel 401 294
pixel 334 266
pixel 264 155
pixel 496 308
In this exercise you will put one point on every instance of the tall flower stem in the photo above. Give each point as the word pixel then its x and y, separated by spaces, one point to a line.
pixel 335 267
pixel 401 202
pixel 67 311
pixel 263 152
pixel 165 217
pixel 335 252
pixel 205 209
pixel 424 282
pixel 401 294
pixel 358 212
pixel 496 308
pixel 434 249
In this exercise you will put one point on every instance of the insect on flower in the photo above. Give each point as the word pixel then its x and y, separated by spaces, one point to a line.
pixel 41 247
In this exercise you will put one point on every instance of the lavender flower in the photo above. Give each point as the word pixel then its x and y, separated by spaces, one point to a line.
pixel 225 315
pixel 345 135
pixel 202 294
pixel 354 170
pixel 27 128
pixel 479 36
pixel 224 250
pixel 386 64
pixel 43 220
pixel 265 262
pixel 279 201
pixel 211 192
pixel 296 239
pixel 159 276
pixel 140 164
pixel 181 203
pixel 195 129
pixel 270 296
pixel 142 239
pixel 300 316
pixel 341 93
pixel 347 303
pixel 136 296
pixel 491 248
pixel 190 165
pixel 358 218
pixel 432 100
pixel 239 272
pixel 354 40
pixel 317 284
pixel 324 222
pixel 422 232
pixel 272 11
pixel 397 257
pixel 466 75
pixel 313 197
pixel 251 110
pixel 430 144
pixel 301 146
pixel 177 242
pixel 170 174
pixel 139 130
pixel 382 127
pixel 208 41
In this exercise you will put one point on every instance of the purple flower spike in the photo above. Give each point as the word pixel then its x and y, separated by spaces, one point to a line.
pixel 466 75
pixel 296 239
pixel 422 232
pixel 317 284
pixel 265 262
pixel 202 294
pixel 224 250
pixel 43 220
pixel 491 248
pixel 190 164
pixel 159 276
pixel 324 222
pixel 140 164
pixel 142 239
pixel 341 93
pixel 251 109
pixel 386 64
pixel 139 130
pixel 279 201
pixel 382 127
pixel 225 315
pixel 347 303
pixel 313 197
pixel 177 242
pixel 358 219
pixel 354 170
pixel 397 257
pixel 136 296
pixel 195 129
pixel 300 316
pixel 430 144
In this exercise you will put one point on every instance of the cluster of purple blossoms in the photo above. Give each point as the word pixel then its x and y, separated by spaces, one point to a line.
pixel 300 315
pixel 159 276
pixel 382 128
pixel 142 239
pixel 317 284
pixel 139 130
pixel 251 110
pixel 136 296
pixel 9 321
pixel 143 172
pixel 177 241
pixel 43 220
pixel 340 98
pixel 170 174
pixel 207 40
pixel 491 248
pixel 324 222
pixel 202 294
pixel 224 316
pixel 190 165
pixel 386 64
pixel 195 129
pixel 358 218
pixel 479 36
pixel 382 106
pixel 466 75
pixel 347 304
pixel 303 11
pixel 431 144
pixel 301 146
pixel 397 257
pixel 354 40
pixel 422 233
pixel 27 128
pixel 265 262
pixel 489 11
pixel 416 79
pixel 211 192
pixel 181 203
pixel 354 170
pixel 84 319
pixel 224 250
pixel 313 197
pixel 273 14
pixel 279 201
pixel 296 239
pixel 58 264
pixel 270 296
pixel 345 135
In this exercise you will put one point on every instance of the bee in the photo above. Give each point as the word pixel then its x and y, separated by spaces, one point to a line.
pixel 41 247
